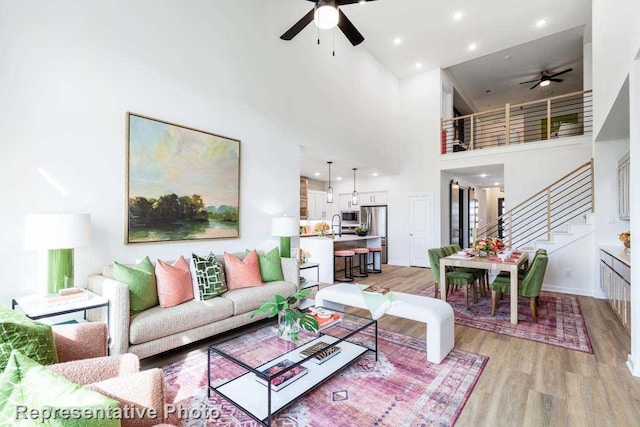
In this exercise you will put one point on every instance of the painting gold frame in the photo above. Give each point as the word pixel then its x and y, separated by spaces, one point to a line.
pixel 182 184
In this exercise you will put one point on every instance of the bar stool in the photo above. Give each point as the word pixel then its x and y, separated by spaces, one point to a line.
pixel 375 250
pixel 347 256
pixel 363 258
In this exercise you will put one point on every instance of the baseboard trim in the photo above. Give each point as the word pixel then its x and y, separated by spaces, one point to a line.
pixel 571 291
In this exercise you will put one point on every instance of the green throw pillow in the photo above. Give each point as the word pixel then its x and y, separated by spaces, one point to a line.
pixel 33 339
pixel 141 280
pixel 270 266
pixel 32 395
pixel 207 274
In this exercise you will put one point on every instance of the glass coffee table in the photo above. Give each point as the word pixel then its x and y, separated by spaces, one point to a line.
pixel 238 368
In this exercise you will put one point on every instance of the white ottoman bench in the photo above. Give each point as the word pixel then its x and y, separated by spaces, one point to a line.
pixel 435 313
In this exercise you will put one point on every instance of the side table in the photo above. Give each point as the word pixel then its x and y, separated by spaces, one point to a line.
pixel 35 307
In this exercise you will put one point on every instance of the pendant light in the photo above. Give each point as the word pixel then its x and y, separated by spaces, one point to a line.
pixel 329 189
pixel 354 195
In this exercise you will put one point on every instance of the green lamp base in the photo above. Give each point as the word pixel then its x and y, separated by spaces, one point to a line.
pixel 285 247
pixel 60 270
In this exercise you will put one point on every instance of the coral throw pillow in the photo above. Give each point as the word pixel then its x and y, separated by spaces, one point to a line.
pixel 242 273
pixel 174 282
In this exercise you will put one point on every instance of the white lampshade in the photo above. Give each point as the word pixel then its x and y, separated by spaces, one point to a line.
pixel 285 227
pixel 57 231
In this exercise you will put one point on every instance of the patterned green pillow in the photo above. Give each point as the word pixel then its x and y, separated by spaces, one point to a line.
pixel 33 339
pixel 32 395
pixel 141 280
pixel 208 277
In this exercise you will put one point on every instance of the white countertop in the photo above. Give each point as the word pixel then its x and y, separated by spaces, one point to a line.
pixel 346 238
pixel 618 252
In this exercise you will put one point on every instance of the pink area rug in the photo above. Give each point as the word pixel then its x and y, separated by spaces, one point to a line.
pixel 560 320
pixel 401 388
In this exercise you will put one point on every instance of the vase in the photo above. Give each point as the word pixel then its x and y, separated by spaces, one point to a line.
pixel 627 246
pixel 288 329
pixel 483 253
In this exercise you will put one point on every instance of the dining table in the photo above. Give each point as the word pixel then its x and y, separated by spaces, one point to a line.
pixel 511 264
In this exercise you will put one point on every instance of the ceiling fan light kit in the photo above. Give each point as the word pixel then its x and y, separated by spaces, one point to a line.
pixel 326 14
pixel 545 78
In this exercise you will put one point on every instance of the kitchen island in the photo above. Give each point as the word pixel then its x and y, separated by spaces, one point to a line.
pixel 322 248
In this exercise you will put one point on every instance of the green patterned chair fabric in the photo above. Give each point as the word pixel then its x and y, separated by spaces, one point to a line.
pixel 33 339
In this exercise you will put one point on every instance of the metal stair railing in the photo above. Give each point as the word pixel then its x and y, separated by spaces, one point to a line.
pixel 565 199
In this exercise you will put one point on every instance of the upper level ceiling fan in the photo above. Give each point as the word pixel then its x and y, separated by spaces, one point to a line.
pixel 546 78
pixel 327 14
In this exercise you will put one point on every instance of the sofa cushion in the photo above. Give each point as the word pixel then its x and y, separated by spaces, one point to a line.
pixel 248 299
pixel 242 273
pixel 27 384
pixel 174 282
pixel 141 281
pixel 207 274
pixel 158 322
pixel 33 339
pixel 270 266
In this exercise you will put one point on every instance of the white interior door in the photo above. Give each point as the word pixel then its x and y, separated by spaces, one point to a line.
pixel 420 229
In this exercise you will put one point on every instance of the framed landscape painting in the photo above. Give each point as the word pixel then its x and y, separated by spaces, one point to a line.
pixel 182 183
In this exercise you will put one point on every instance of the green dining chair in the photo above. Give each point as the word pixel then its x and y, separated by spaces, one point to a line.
pixel 479 273
pixel 523 272
pixel 455 278
pixel 528 286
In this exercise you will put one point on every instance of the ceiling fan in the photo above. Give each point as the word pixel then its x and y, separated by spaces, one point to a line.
pixel 327 14
pixel 546 78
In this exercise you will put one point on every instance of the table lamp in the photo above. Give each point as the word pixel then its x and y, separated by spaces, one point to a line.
pixel 284 228
pixel 59 234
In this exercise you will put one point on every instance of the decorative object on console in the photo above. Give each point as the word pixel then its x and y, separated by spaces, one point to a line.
pixel 174 282
pixel 354 195
pixel 141 281
pixel 321 227
pixel 625 238
pixel 329 188
pixel 285 227
pixel 289 319
pixel 207 276
pixel 242 273
pixel 58 233
pixel 190 192
pixel 362 231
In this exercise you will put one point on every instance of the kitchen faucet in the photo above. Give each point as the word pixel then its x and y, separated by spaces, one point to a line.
pixel 339 224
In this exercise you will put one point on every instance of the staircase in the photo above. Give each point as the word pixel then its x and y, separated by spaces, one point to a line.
pixel 554 217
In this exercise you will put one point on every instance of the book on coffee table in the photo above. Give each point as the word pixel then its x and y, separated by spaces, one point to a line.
pixel 324 317
pixel 324 351
pixel 285 379
pixel 376 290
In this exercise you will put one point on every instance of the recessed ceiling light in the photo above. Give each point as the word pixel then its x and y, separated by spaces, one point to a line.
pixel 418 65
pixel 483 175
pixel 397 41
pixel 339 178
pixel 375 174
pixel 316 174
pixel 362 1
pixel 541 23
pixel 496 184
pixel 473 46
pixel 457 16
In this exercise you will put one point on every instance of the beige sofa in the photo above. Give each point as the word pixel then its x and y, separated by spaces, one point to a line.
pixel 160 329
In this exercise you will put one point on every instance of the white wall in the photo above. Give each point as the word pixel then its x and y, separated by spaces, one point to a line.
pixel 71 71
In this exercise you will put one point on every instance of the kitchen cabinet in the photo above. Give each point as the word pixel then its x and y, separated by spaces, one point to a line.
pixel 615 281
pixel 318 207
pixel 345 202
pixel 373 198
pixel 623 187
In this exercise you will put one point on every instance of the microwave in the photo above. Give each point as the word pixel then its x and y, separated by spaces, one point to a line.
pixel 350 216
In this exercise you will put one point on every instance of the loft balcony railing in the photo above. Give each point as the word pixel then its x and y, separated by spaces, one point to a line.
pixel 568 198
pixel 546 119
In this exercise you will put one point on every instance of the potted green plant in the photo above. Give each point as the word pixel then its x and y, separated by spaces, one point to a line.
pixel 362 231
pixel 290 320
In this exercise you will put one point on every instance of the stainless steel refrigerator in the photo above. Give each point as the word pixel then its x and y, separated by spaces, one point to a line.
pixel 375 218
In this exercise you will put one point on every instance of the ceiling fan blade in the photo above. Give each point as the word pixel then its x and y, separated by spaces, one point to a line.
pixel 343 2
pixel 534 86
pixel 349 29
pixel 557 80
pixel 298 26
pixel 530 81
pixel 561 72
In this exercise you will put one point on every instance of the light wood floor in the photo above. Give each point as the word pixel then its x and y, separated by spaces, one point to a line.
pixel 526 383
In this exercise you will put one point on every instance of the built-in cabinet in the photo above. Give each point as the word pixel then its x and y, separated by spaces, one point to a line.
pixel 623 187
pixel 615 281
pixel 304 206
pixel 318 206
pixel 345 202
pixel 373 197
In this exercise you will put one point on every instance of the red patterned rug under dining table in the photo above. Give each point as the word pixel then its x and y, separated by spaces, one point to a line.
pixel 400 389
pixel 560 320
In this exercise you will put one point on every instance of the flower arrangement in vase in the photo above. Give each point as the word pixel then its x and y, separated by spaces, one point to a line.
pixel 488 245
pixel 321 227
pixel 625 238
